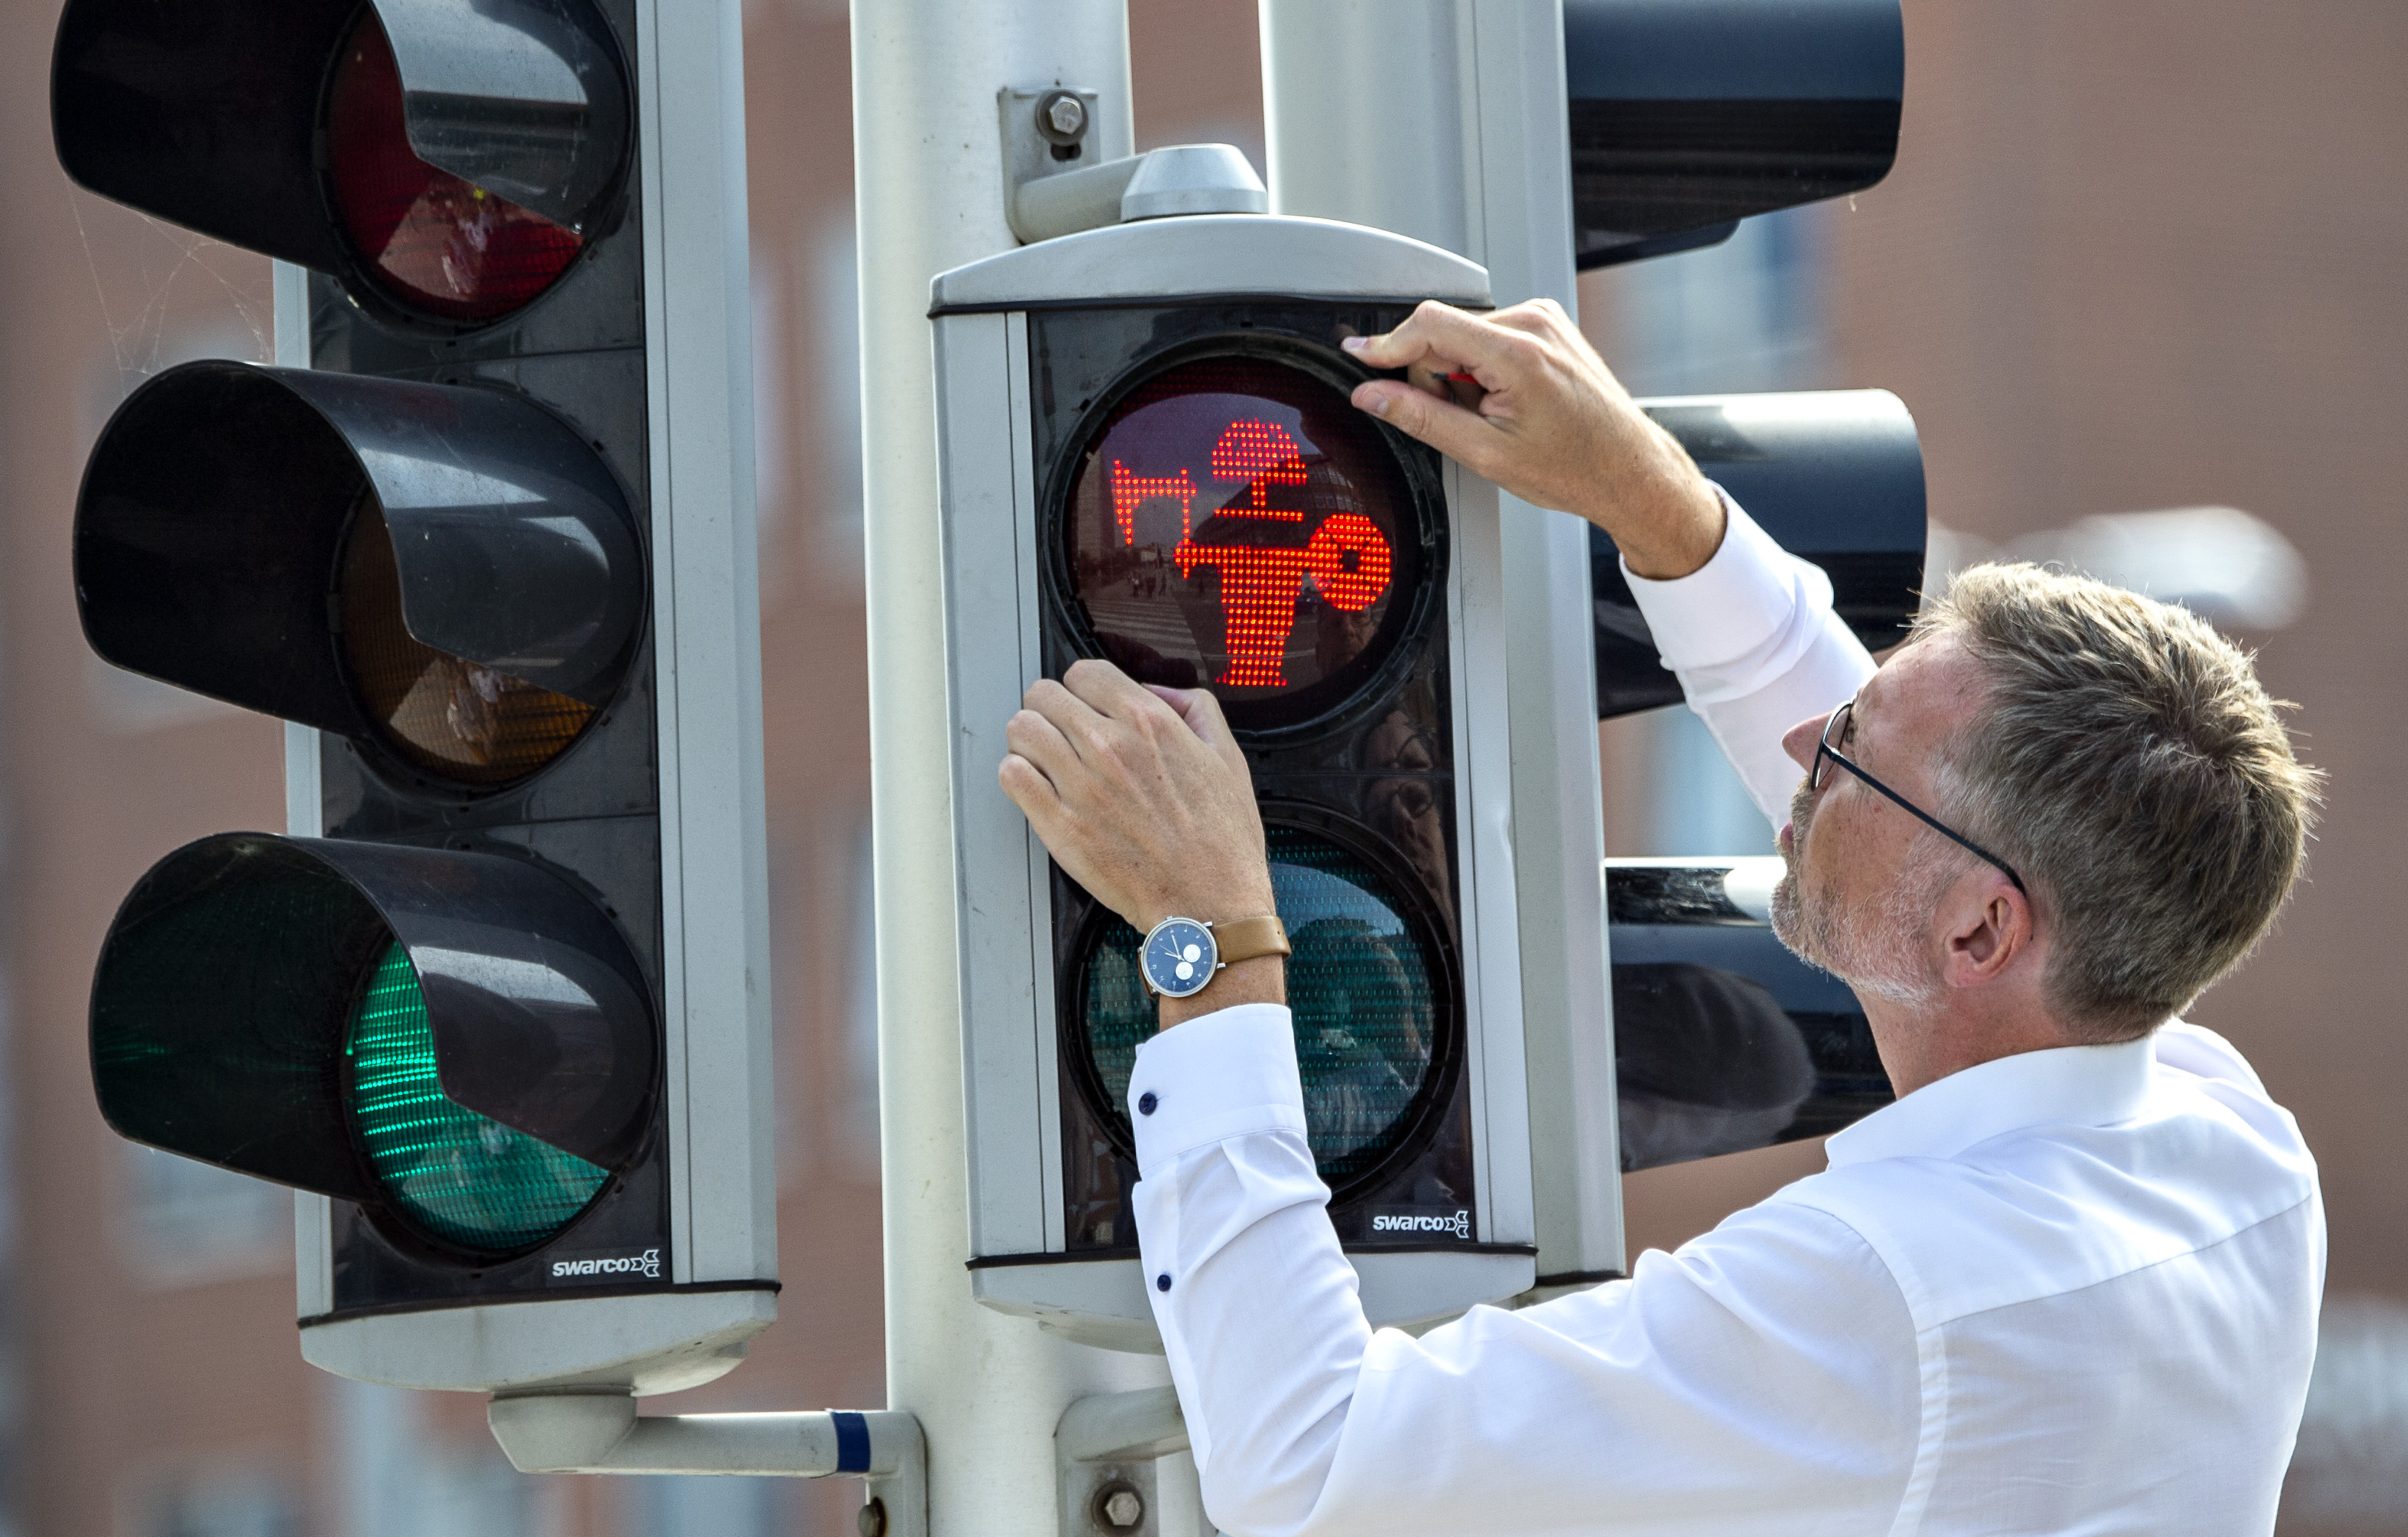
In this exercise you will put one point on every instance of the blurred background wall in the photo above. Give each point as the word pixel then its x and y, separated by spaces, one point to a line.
pixel 2135 259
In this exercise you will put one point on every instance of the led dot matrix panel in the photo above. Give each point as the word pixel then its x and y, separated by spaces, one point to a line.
pixel 1215 514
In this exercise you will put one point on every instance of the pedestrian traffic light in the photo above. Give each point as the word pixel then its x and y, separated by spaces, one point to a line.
pixel 1148 456
pixel 496 1001
pixel 1834 476
pixel 1687 115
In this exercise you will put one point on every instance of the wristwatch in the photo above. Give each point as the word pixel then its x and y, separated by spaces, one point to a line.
pixel 1182 955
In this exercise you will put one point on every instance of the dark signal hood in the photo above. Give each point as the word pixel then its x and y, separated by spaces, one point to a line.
pixel 212 517
pixel 208 113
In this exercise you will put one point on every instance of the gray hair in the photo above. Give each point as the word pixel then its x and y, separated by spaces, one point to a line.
pixel 2127 764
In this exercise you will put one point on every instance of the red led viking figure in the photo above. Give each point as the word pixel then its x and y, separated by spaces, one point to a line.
pixel 1347 557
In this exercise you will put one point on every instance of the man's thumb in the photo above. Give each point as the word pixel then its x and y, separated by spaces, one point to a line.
pixel 1462 436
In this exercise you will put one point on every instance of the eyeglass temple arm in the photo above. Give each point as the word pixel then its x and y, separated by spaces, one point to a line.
pixel 1932 822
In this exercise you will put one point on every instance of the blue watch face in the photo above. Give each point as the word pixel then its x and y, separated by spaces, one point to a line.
pixel 1178 957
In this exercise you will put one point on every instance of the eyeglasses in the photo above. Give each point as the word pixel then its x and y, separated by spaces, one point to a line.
pixel 1836 729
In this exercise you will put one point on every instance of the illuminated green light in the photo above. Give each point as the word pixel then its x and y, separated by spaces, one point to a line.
pixel 1358 985
pixel 462 1176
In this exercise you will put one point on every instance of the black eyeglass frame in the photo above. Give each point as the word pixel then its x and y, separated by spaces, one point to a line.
pixel 1823 749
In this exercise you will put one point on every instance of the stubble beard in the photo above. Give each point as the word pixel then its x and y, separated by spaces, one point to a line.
pixel 1873 948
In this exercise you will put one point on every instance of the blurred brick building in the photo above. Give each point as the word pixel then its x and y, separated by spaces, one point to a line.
pixel 2133 257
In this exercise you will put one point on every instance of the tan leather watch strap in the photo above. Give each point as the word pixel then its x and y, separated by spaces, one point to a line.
pixel 1244 938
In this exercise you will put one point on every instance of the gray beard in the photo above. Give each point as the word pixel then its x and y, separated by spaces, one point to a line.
pixel 1874 949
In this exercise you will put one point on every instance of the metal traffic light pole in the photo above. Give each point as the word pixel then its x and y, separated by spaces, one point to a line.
pixel 1446 122
pixel 989 1388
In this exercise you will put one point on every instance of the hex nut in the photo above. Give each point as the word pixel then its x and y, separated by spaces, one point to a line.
pixel 1061 119
pixel 1118 1508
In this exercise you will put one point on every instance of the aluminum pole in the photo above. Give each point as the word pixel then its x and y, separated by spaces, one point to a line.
pixel 1447 120
pixel 928 168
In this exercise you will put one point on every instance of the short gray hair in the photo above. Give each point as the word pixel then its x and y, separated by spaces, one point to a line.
pixel 2127 764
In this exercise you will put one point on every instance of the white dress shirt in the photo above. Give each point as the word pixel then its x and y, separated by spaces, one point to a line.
pixel 2070 1292
pixel 1752 637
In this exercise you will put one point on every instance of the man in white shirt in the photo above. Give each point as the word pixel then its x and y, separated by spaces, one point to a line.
pixel 2068 1282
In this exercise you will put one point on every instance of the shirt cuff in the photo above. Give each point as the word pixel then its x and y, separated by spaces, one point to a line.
pixel 1729 607
pixel 1230 1073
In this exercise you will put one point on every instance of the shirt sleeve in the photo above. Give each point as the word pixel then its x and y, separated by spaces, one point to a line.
pixel 1764 1379
pixel 1754 640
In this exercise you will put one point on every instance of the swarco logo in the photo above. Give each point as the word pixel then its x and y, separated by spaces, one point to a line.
pixel 1455 1224
pixel 647 1265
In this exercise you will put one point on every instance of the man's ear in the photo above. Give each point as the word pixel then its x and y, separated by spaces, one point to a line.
pixel 1990 928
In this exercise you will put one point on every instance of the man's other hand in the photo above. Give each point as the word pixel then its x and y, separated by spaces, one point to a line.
pixel 1144 797
pixel 1520 398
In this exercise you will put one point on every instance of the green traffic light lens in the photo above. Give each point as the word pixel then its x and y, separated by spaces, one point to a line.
pixel 464 1177
pixel 1359 987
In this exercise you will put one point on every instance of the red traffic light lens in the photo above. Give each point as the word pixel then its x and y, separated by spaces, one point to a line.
pixel 432 242
pixel 1235 523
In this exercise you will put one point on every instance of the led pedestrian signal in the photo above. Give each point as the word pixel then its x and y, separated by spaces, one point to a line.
pixel 1169 474
pixel 496 1002
pixel 1236 524
pixel 1287 559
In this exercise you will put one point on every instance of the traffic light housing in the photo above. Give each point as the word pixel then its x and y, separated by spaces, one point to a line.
pixel 497 1004
pixel 1725 1041
pixel 1834 476
pixel 1687 115
pixel 1148 456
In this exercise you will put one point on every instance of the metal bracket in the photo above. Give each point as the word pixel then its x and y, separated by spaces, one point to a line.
pixel 1107 1453
pixel 601 1432
pixel 1050 188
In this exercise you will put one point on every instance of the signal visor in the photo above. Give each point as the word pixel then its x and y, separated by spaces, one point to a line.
pixel 448 576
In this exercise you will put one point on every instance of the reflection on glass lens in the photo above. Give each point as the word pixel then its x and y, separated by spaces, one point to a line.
pixel 1236 523
pixel 464 1177
pixel 436 243
pixel 1358 985
pixel 444 714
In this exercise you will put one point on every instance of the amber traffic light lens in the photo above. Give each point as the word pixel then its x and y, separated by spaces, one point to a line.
pixel 1234 523
pixel 443 714
pixel 433 242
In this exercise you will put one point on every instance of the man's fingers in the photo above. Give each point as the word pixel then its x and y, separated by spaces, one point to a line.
pixel 1214 727
pixel 1031 737
pixel 1077 720
pixel 1535 318
pixel 1030 790
pixel 1107 689
pixel 1465 437
pixel 1188 703
pixel 1450 333
pixel 1202 713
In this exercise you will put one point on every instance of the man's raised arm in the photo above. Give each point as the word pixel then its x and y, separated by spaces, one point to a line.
pixel 1521 399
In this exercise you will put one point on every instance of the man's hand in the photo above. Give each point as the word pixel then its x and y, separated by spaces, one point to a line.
pixel 1144 797
pixel 1520 398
